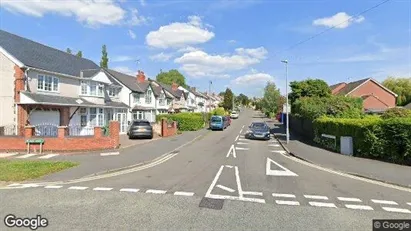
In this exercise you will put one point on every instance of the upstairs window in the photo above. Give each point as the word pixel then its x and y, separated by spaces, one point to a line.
pixel 136 98
pixel 91 88
pixel 47 83
pixel 162 99
pixel 113 92
pixel 148 96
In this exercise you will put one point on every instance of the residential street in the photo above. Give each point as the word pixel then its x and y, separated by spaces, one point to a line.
pixel 221 181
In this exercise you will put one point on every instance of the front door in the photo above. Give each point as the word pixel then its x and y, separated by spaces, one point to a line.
pixel 122 119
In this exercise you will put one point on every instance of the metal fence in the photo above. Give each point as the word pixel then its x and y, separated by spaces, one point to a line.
pixel 50 130
pixel 10 130
pixel 78 130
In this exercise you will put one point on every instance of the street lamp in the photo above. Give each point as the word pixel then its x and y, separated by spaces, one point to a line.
pixel 286 107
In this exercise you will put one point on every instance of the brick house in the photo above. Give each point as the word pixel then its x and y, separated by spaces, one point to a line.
pixel 376 97
pixel 45 87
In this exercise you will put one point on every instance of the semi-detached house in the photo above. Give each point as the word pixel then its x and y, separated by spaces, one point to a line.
pixel 47 88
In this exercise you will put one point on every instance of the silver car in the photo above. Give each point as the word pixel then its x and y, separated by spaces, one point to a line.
pixel 140 129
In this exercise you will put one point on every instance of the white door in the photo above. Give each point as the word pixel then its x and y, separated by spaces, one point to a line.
pixel 122 119
pixel 45 122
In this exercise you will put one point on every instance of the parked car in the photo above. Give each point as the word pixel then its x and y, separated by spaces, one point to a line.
pixel 234 115
pixel 218 123
pixel 140 129
pixel 258 130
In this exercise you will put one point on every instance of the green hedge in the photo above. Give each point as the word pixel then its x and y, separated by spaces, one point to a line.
pixel 396 112
pixel 373 137
pixel 186 121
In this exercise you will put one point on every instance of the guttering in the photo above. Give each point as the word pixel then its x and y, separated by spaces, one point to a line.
pixel 55 73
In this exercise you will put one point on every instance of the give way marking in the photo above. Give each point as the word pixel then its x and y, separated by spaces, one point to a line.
pixel 283 172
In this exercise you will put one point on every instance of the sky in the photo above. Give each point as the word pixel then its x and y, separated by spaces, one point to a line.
pixel 233 43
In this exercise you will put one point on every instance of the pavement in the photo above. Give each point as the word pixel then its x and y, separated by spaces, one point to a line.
pixel 368 168
pixel 220 182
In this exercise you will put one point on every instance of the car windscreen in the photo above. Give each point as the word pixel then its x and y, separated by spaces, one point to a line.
pixel 258 125
pixel 141 123
pixel 216 119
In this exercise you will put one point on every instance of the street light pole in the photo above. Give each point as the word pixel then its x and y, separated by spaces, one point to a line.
pixel 286 106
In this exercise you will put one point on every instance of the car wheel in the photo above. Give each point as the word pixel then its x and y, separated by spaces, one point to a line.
pixel 130 137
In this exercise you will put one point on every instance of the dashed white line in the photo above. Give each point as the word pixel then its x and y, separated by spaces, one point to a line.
pixel 154 191
pixel 5 155
pixel 316 197
pixel 242 143
pixel 384 202
pixel 25 156
pixel 281 202
pixel 242 127
pixel 349 199
pixel 242 139
pixel 53 186
pixel 236 138
pixel 240 148
pixel 360 207
pixel 279 151
pixel 283 195
pixel 110 154
pixel 409 203
pixel 48 156
pixel 322 204
pixel 188 194
pixel 274 145
pixel 102 189
pixel 397 210
pixel 14 184
pixel 241 131
pixel 78 187
pixel 129 190
pixel 252 193
pixel 225 188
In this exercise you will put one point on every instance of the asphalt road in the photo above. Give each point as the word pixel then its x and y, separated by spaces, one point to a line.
pixel 206 186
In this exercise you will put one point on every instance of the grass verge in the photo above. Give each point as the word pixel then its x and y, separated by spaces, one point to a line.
pixel 20 170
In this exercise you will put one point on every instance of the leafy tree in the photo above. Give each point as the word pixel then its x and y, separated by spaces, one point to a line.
pixel 221 94
pixel 271 99
pixel 79 54
pixel 308 88
pixel 402 87
pixel 228 99
pixel 242 99
pixel 170 77
pixel 104 57
pixel 68 50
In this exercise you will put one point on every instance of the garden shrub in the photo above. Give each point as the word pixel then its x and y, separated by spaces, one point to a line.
pixel 186 121
pixel 396 112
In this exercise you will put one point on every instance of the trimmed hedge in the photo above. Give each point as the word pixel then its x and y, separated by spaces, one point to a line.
pixel 396 112
pixel 186 121
pixel 373 137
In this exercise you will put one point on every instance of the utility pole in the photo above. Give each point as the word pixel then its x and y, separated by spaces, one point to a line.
pixel 286 106
pixel 232 108
pixel 209 94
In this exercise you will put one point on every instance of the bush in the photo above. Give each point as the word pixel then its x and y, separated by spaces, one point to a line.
pixel 373 137
pixel 396 113
pixel 186 121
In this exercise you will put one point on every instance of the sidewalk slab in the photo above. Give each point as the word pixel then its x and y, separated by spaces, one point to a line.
pixel 95 163
pixel 368 168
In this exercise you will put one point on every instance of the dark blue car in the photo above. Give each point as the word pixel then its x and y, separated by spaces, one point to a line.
pixel 258 130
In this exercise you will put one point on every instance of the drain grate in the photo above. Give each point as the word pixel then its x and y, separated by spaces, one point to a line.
pixel 210 203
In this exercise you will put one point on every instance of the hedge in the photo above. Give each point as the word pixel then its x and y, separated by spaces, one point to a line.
pixel 396 112
pixel 373 137
pixel 186 121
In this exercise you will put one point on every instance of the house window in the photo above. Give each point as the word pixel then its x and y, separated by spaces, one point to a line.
pixel 91 88
pixel 100 90
pixel 100 117
pixel 138 115
pixel 93 117
pixel 192 101
pixel 169 101
pixel 148 96
pixel 83 120
pixel 162 99
pixel 113 92
pixel 136 98
pixel 47 83
pixel 84 87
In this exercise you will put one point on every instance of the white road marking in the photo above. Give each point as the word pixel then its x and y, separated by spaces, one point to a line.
pixel 102 189
pixel 360 207
pixel 240 148
pixel 252 193
pixel 110 154
pixel 281 202
pixel 284 172
pixel 322 204
pixel 241 131
pixel 5 155
pixel 242 143
pixel 53 186
pixel 225 188
pixel 349 199
pixel 14 184
pixel 409 203
pixel 236 138
pixel 224 197
pixel 242 127
pixel 242 139
pixel 24 185
pixel 384 202
pixel 154 191
pixel 26 156
pixel 188 194
pixel 129 190
pixel 397 210
pixel 48 156
pixel 316 197
pixel 283 195
pixel 229 166
pixel 274 145
pixel 77 187
pixel 279 151
pixel 231 151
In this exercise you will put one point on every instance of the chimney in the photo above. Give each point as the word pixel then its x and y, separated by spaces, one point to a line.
pixel 174 87
pixel 193 89
pixel 140 77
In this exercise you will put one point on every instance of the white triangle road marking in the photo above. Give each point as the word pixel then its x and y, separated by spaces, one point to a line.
pixel 284 172
pixel 231 151
pixel 225 188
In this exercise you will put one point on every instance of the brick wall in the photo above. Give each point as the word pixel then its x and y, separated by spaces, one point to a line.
pixel 168 129
pixel 63 143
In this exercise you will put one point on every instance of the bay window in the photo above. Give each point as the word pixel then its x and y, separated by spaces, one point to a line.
pixel 91 88
pixel 92 117
pixel 47 83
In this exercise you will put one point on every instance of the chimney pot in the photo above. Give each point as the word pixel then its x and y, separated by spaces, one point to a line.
pixel 140 76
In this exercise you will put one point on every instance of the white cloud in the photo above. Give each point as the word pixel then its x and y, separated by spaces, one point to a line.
pixel 131 34
pixel 143 2
pixel 125 70
pixel 178 34
pixel 340 20
pixel 162 57
pixel 252 79
pixel 188 49
pixel 136 19
pixel 122 58
pixel 200 63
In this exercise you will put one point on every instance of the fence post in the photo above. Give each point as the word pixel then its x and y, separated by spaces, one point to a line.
pixel 98 132
pixel 28 131
pixel 114 127
pixel 61 132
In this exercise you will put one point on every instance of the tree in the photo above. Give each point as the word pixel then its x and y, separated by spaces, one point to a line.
pixel 68 50
pixel 221 94
pixel 271 99
pixel 400 86
pixel 104 57
pixel 242 99
pixel 170 77
pixel 79 54
pixel 308 88
pixel 228 99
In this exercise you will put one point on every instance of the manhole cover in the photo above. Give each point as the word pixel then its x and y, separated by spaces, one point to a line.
pixel 210 203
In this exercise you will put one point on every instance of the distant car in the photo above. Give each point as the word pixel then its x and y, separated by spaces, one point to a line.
pixel 218 123
pixel 140 129
pixel 258 130
pixel 234 115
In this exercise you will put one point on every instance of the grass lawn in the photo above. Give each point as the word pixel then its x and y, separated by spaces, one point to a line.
pixel 20 170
